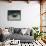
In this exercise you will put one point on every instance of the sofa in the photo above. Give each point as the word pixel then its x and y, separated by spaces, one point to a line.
pixel 22 34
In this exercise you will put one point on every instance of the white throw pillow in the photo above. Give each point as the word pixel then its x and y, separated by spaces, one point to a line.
pixel 5 32
pixel 28 31
pixel 23 31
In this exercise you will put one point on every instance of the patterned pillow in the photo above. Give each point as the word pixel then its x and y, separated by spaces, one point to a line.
pixel 17 30
pixel 11 30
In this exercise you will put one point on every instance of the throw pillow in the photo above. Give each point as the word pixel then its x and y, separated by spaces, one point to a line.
pixel 17 30
pixel 23 31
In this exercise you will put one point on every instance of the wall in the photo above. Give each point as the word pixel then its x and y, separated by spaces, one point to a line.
pixel 30 14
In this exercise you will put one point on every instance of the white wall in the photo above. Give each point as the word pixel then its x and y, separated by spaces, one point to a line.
pixel 30 14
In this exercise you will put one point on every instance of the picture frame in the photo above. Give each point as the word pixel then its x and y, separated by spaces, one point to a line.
pixel 14 15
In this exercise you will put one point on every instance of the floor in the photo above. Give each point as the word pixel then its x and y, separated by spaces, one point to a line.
pixel 35 43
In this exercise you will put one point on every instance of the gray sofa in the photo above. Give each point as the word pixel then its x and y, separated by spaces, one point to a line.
pixel 17 35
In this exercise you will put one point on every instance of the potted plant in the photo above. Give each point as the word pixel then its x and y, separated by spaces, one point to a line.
pixel 37 33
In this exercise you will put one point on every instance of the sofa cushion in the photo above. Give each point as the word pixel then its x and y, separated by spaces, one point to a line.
pixel 20 37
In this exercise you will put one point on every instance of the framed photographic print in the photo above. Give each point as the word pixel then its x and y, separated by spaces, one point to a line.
pixel 14 15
